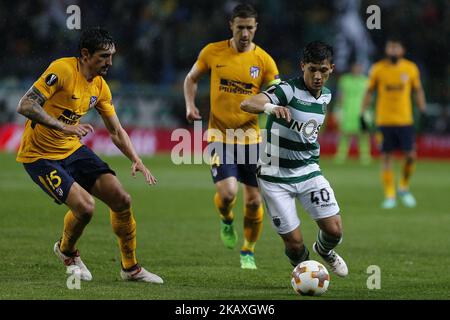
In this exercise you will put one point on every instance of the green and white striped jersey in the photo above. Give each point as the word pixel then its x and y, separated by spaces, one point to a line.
pixel 292 152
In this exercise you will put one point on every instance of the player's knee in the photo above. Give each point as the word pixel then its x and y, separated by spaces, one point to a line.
pixel 85 208
pixel 410 158
pixel 295 246
pixel 387 162
pixel 253 204
pixel 334 230
pixel 122 202
pixel 332 226
pixel 336 233
pixel 227 198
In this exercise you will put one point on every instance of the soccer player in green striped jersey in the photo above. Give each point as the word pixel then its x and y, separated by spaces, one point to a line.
pixel 289 168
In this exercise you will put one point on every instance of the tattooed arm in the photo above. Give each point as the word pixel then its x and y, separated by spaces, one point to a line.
pixel 31 106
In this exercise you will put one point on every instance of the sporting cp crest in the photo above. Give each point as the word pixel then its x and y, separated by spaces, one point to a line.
pixel 92 101
pixel 276 221
pixel 324 108
pixel 254 72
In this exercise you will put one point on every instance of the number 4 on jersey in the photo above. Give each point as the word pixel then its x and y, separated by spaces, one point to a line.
pixel 324 196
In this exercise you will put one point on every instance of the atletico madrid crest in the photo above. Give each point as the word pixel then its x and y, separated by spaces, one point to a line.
pixel 92 101
pixel 254 72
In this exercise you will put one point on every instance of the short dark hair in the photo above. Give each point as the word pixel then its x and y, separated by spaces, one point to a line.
pixel 317 51
pixel 395 38
pixel 95 39
pixel 244 10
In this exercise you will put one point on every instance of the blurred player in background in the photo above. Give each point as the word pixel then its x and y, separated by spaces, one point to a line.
pixel 351 90
pixel 393 79
pixel 238 68
pixel 67 170
pixel 296 111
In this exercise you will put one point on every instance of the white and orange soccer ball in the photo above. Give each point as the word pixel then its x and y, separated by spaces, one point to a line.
pixel 310 278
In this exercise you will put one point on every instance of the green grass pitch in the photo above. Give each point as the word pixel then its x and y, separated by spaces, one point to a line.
pixel 178 238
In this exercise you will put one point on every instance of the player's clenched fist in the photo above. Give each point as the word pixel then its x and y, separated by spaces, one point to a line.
pixel 193 114
pixel 282 112
pixel 279 111
pixel 79 130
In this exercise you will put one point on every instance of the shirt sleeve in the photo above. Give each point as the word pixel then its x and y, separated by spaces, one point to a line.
pixel 53 79
pixel 280 94
pixel 203 59
pixel 373 78
pixel 105 105
pixel 271 76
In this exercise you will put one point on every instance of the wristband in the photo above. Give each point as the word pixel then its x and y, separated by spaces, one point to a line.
pixel 268 108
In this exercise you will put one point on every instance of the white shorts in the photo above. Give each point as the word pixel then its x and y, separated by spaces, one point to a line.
pixel 315 195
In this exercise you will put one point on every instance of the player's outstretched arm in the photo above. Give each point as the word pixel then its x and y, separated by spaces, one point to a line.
pixel 31 106
pixel 261 103
pixel 190 92
pixel 419 96
pixel 121 139
pixel 367 100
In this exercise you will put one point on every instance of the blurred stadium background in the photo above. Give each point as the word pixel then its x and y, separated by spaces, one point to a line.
pixel 157 43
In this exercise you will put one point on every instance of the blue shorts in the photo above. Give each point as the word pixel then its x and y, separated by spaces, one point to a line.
pixel 234 160
pixel 397 138
pixel 56 177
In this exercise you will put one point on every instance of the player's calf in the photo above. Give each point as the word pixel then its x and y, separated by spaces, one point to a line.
pixel 295 250
pixel 224 203
pixel 82 206
pixel 296 253
pixel 327 242
pixel 124 226
pixel 121 202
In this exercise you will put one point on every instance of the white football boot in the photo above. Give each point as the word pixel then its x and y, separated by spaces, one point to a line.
pixel 140 274
pixel 335 261
pixel 73 264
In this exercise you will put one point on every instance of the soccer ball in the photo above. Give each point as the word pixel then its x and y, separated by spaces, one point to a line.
pixel 310 278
